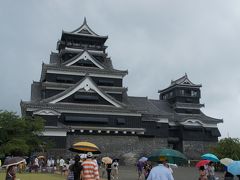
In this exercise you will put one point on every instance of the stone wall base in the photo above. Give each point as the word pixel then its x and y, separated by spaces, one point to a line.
pixel 194 149
pixel 127 148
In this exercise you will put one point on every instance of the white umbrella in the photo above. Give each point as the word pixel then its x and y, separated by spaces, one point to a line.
pixel 173 165
pixel 226 161
pixel 143 159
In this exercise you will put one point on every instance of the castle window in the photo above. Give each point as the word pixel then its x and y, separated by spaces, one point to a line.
pixel 107 82
pixel 82 97
pixel 194 93
pixel 188 100
pixel 121 121
pixel 64 79
pixel 97 120
pixel 182 92
pixel 186 82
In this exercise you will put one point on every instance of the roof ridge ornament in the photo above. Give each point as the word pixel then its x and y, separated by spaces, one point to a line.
pixel 85 20
pixel 84 29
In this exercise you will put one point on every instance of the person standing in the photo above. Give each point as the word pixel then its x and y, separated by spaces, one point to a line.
pixel 160 172
pixel 211 171
pixel 114 172
pixel 227 175
pixel 147 169
pixel 61 165
pixel 140 166
pixel 202 173
pixel 71 161
pixel 36 164
pixel 109 169
pixel 58 163
pixel 90 169
pixel 52 165
pixel 75 169
pixel 102 169
pixel 11 173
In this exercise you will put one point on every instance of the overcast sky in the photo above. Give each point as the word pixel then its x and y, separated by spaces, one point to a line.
pixel 156 41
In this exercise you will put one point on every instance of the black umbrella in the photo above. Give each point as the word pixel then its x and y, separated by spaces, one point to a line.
pixel 116 159
pixel 13 161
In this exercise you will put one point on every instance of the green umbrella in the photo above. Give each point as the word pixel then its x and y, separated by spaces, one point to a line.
pixel 171 155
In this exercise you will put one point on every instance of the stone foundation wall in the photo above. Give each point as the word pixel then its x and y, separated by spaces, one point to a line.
pixel 127 148
pixel 194 149
pixel 130 148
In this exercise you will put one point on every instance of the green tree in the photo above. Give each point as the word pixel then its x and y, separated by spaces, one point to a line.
pixel 19 135
pixel 228 147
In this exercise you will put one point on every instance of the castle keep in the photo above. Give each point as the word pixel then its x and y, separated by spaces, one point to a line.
pixel 81 97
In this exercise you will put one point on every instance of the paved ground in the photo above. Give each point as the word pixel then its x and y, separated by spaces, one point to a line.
pixel 180 173
pixel 129 173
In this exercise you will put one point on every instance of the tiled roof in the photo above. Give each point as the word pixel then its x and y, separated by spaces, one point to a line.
pixel 85 69
pixel 77 50
pixel 146 106
pixel 79 55
pixel 36 91
pixel 54 58
pixel 150 109
pixel 76 107
pixel 85 30
pixel 183 81
pixel 67 85
pixel 73 87
pixel 204 118
pixel 80 69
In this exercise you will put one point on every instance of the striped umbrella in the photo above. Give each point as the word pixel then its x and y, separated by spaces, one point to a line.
pixel 84 147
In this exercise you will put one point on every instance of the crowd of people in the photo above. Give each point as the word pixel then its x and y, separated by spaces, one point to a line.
pixel 87 167
pixel 207 172
pixel 160 172
pixel 81 167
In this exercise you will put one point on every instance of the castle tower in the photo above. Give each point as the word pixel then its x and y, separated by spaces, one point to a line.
pixel 81 97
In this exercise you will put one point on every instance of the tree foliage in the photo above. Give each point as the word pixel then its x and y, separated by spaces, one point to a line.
pixel 228 147
pixel 19 135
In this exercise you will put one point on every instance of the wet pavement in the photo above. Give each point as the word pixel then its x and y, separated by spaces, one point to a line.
pixel 180 173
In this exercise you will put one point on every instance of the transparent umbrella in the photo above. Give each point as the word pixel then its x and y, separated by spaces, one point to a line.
pixel 13 161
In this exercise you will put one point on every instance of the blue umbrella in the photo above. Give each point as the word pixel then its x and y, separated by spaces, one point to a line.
pixel 234 168
pixel 210 157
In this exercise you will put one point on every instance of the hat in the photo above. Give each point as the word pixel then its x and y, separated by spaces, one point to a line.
pixel 89 155
pixel 162 158
pixel 77 158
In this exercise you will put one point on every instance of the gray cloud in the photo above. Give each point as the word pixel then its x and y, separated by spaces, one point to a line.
pixel 156 40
